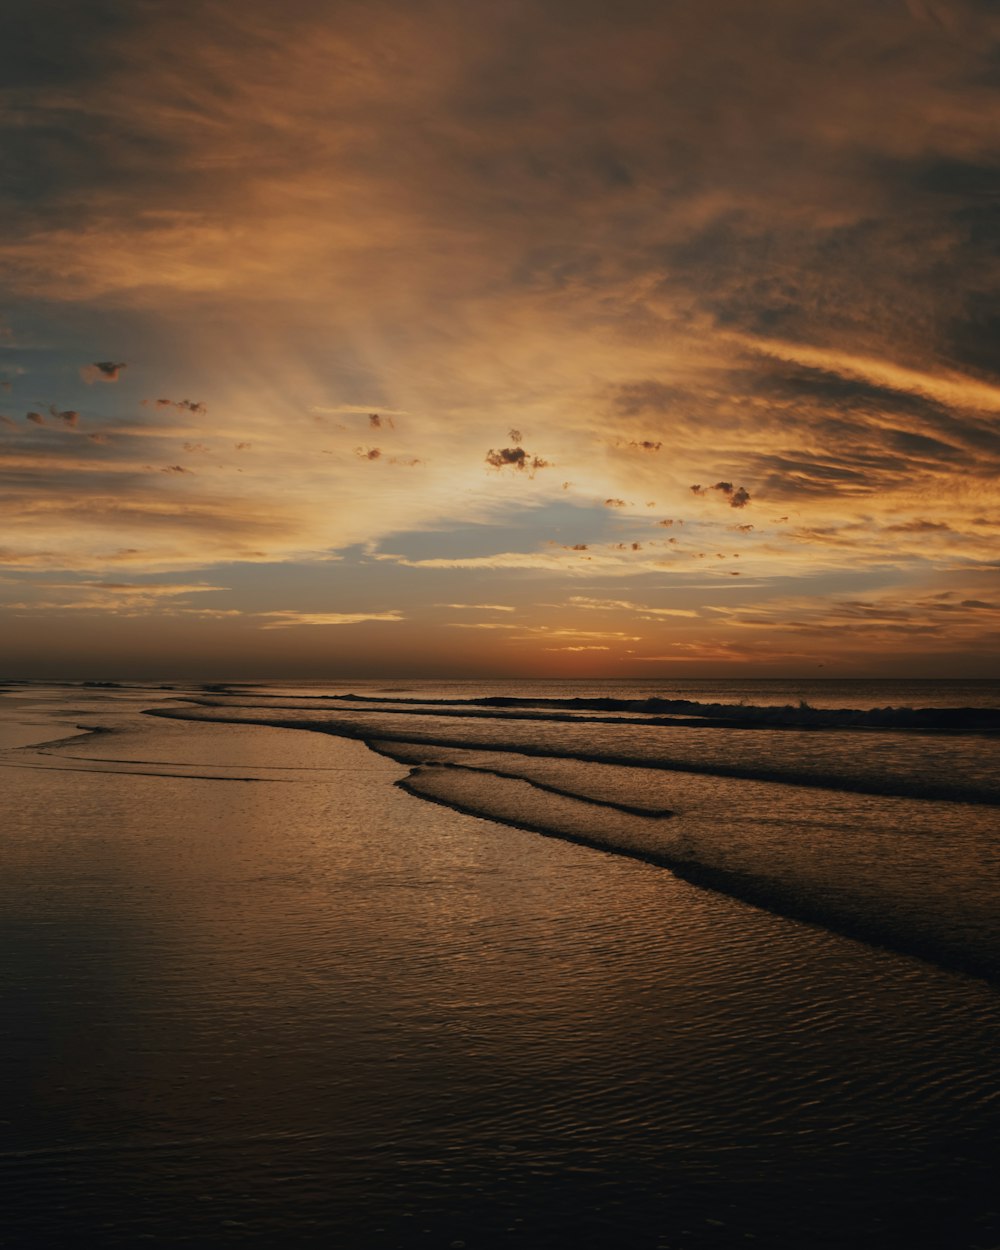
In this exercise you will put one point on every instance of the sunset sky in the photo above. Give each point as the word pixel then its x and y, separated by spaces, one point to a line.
pixel 656 338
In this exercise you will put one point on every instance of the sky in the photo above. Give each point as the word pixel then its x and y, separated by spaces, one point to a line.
pixel 499 338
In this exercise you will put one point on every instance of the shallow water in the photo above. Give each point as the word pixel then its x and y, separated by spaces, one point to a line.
pixel 884 834
pixel 261 994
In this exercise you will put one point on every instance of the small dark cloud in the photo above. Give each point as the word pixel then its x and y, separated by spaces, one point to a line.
pixel 614 503
pixel 181 405
pixel 517 458
pixel 744 529
pixel 738 496
pixel 578 547
pixel 35 417
pixel 515 437
pixel 368 453
pixel 374 420
pixel 103 371
pixel 174 468
pixel 69 417
pixel 645 445
pixel 243 446
pixel 979 603
pixel 507 455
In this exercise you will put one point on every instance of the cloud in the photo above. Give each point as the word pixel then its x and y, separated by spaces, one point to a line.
pixel 940 621
pixel 738 497
pixel 285 618
pixel 35 417
pixel 69 417
pixel 918 527
pixel 384 415
pixel 480 607
pixel 115 598
pixel 592 647
pixel 481 625
pixel 102 371
pixel 625 605
pixel 517 458
pixel 180 405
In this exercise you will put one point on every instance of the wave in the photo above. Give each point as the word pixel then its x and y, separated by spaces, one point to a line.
pixel 629 746
pixel 939 909
pixel 875 858
pixel 799 715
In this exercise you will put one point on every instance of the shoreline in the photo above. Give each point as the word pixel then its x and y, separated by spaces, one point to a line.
pixel 346 1018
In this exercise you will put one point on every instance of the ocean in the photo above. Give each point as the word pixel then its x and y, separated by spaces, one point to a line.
pixel 386 964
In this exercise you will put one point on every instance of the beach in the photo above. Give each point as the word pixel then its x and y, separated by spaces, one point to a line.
pixel 261 993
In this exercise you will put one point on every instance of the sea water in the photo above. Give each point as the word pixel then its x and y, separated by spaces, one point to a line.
pixel 255 992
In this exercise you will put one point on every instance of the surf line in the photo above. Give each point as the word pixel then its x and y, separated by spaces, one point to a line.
pixel 740 886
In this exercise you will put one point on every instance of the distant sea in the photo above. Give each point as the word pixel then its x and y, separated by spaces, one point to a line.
pixel 484 964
